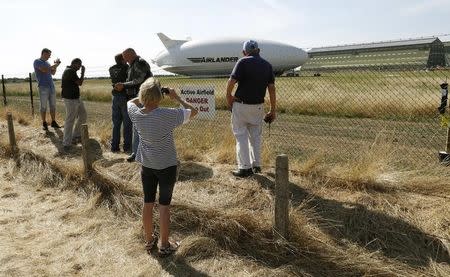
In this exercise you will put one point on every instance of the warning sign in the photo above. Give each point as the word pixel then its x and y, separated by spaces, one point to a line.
pixel 202 98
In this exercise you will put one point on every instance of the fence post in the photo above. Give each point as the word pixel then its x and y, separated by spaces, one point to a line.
pixel 31 95
pixel 85 149
pixel 281 221
pixel 447 149
pixel 12 135
pixel 4 91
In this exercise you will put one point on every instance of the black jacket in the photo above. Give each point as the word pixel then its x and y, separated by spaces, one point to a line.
pixel 118 74
pixel 70 89
pixel 138 72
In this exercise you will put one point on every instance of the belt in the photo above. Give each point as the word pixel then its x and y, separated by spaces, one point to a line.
pixel 245 102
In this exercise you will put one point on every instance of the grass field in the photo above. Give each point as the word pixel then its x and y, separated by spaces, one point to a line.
pixel 338 115
pixel 360 218
pixel 373 94
pixel 367 194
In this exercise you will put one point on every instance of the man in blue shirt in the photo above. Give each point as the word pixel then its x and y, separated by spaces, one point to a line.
pixel 47 93
pixel 254 75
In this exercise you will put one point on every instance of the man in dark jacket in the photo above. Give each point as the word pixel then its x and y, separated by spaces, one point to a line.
pixel 75 111
pixel 118 74
pixel 138 72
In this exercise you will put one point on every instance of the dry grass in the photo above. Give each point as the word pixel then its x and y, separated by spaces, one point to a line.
pixel 362 217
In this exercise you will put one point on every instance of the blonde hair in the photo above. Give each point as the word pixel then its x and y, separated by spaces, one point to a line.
pixel 150 91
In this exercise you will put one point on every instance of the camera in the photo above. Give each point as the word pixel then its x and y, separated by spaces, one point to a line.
pixel 165 90
pixel 268 118
pixel 57 61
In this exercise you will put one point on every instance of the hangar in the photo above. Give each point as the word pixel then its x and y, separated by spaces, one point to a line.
pixel 421 53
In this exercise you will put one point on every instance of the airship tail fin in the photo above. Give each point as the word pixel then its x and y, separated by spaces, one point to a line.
pixel 168 43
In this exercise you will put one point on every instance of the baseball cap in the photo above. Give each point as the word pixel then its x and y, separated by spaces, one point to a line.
pixel 250 46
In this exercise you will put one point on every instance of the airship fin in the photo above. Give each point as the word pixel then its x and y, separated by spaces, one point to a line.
pixel 169 43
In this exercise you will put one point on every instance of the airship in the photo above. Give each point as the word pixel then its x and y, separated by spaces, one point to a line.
pixel 217 57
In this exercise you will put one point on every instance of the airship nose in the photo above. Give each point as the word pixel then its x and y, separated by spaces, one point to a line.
pixel 302 56
pixel 294 56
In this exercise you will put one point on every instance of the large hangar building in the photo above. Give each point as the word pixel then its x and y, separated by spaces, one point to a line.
pixel 422 53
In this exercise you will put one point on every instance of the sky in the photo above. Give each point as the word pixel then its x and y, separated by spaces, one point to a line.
pixel 96 30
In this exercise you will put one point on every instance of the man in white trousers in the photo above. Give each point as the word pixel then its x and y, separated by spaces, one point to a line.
pixel 254 76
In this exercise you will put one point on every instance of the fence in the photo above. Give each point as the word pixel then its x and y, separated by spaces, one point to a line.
pixel 281 199
pixel 339 113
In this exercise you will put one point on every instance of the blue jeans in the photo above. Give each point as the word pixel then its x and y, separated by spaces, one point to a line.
pixel 47 95
pixel 119 116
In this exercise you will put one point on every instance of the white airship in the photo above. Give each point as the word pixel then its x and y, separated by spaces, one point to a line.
pixel 218 57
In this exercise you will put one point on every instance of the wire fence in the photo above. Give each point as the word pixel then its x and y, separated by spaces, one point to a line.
pixel 339 113
pixel 342 113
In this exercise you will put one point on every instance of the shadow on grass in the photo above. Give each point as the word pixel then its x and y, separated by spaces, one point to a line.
pixel 373 230
pixel 177 266
pixel 194 171
pixel 56 137
pixel 241 235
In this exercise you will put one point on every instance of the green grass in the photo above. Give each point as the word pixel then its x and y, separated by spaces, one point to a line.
pixel 394 95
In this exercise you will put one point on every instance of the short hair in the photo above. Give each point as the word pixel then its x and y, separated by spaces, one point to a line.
pixel 250 47
pixel 118 58
pixel 129 50
pixel 150 91
pixel 76 60
pixel 46 50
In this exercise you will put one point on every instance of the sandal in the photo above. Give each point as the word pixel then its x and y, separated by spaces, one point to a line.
pixel 166 251
pixel 150 244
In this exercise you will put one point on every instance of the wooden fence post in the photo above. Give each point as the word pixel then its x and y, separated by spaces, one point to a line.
pixel 447 148
pixel 85 149
pixel 281 220
pixel 31 94
pixel 4 91
pixel 12 135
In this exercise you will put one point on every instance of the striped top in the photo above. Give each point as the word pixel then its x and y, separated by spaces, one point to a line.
pixel 156 144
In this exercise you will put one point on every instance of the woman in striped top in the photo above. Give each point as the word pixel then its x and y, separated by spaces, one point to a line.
pixel 157 154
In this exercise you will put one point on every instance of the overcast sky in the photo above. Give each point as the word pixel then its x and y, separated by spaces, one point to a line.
pixel 96 30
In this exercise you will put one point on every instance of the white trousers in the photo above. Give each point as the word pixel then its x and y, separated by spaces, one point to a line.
pixel 75 111
pixel 246 123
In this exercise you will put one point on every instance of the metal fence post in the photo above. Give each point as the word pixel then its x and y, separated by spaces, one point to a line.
pixel 4 91
pixel 281 220
pixel 31 94
pixel 85 149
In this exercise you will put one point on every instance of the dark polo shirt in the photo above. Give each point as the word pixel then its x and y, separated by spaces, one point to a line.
pixel 70 89
pixel 253 75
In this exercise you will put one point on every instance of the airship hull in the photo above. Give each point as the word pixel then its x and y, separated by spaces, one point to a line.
pixel 218 57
